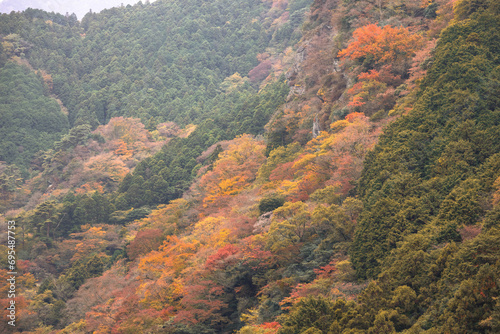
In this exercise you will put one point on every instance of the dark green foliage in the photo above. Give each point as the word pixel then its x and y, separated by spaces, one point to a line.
pixel 466 283
pixel 270 203
pixel 50 301
pixel 47 284
pixel 424 168
pixel 76 136
pixel 317 315
pixel 91 266
pixel 54 220
pixel 123 217
pixel 30 121
pixel 165 61
pixel 492 218
pixel 450 289
pixel 3 56
pixel 449 233
pixel 48 308
pixel 88 209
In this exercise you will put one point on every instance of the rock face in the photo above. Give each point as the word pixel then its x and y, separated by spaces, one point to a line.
pixel 262 225
pixel 316 129
pixel 296 89
pixel 300 56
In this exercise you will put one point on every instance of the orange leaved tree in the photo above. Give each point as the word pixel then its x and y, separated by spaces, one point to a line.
pixel 385 44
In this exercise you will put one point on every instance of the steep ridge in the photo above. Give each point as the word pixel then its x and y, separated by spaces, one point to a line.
pixel 428 164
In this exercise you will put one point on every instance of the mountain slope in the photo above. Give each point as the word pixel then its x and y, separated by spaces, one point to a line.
pixel 158 62
pixel 425 168
pixel 77 7
pixel 30 120
pixel 367 204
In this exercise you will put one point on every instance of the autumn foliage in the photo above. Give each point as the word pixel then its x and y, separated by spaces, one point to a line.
pixel 385 44
pixel 261 235
pixel 144 242
pixel 235 169
pixel 386 53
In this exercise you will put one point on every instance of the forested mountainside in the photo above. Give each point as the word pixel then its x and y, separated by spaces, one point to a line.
pixel 70 7
pixel 159 62
pixel 253 167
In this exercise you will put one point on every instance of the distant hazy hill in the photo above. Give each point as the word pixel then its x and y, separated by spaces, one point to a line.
pixel 80 8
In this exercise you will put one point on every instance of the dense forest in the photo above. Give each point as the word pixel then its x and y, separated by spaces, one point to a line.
pixel 71 7
pixel 265 167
